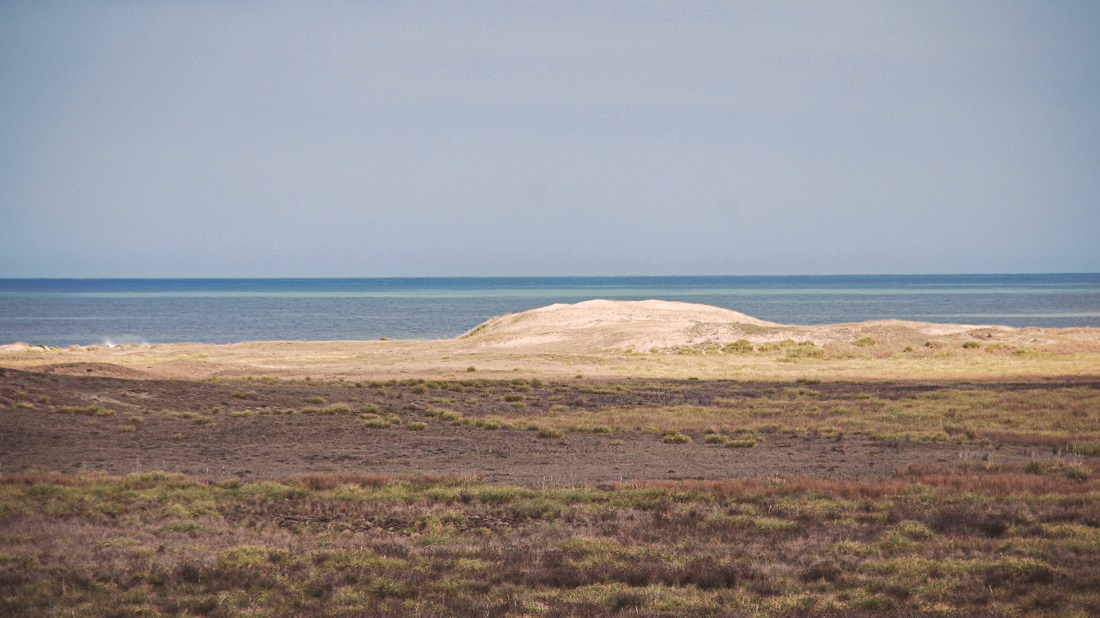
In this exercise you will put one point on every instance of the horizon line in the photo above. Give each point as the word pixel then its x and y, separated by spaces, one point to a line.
pixel 438 277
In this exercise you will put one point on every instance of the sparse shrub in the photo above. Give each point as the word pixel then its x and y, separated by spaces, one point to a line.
pixel 549 432
pixel 471 369
pixel 805 349
pixel 1074 470
pixel 773 346
pixel 44 400
pixel 741 346
pixel 416 426
pixel 315 400
pixel 373 421
pixel 673 436
pixel 240 393
pixel 715 438
pixel 1088 450
pixel 864 342
pixel 420 389
pixel 93 410
pixel 591 429
pixel 915 530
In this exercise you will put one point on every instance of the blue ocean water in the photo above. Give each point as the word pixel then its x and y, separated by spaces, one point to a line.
pixel 61 312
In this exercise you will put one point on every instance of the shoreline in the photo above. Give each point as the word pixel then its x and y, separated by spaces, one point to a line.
pixel 615 339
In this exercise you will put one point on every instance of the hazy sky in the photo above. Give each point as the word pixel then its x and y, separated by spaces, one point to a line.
pixel 212 139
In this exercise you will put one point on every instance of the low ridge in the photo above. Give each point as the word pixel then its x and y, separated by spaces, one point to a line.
pixel 648 325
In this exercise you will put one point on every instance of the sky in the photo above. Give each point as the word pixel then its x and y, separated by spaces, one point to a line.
pixel 378 139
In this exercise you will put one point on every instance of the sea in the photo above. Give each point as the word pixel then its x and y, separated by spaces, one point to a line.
pixel 64 312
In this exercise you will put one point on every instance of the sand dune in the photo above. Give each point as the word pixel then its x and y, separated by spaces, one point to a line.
pixel 655 325
pixel 614 325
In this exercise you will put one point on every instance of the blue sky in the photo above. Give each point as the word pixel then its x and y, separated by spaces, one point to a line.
pixel 283 139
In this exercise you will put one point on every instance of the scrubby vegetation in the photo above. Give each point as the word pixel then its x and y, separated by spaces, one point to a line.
pixel 1061 417
pixel 928 541
pixel 980 536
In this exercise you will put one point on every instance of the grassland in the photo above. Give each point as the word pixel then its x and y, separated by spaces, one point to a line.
pixel 989 541
pixel 1012 528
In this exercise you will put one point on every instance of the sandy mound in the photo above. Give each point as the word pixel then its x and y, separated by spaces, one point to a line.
pixel 18 346
pixel 642 326
pixel 618 325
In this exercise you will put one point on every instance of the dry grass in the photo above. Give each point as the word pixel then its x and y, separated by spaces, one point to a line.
pixel 1066 418
pixel 972 539
pixel 929 540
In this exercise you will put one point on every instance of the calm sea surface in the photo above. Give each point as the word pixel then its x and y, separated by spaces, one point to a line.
pixel 61 312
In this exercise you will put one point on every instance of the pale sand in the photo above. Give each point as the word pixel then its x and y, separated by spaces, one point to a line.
pixel 602 338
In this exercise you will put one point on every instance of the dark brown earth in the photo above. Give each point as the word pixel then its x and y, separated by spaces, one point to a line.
pixel 226 429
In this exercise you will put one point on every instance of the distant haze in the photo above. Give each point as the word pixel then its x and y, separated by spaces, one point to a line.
pixel 329 139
